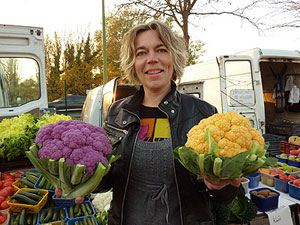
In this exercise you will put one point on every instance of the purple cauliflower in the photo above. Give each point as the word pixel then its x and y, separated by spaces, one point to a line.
pixel 76 141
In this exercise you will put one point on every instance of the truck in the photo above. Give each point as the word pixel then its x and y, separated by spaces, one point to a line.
pixel 23 87
pixel 256 83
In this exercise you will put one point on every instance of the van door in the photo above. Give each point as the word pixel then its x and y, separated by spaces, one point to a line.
pixel 239 88
pixel 23 75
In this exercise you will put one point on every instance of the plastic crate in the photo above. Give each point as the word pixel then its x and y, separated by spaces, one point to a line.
pixel 280 159
pixel 294 191
pixel 274 141
pixel 63 201
pixel 245 183
pixel 267 179
pixel 285 147
pixel 293 163
pixel 284 128
pixel 52 222
pixel 36 186
pixel 13 216
pixel 265 204
pixel 33 170
pixel 17 185
pixel 72 221
pixel 90 205
pixel 253 180
pixel 17 207
pixel 281 185
pixel 295 170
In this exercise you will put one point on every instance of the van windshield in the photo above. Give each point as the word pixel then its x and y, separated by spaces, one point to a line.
pixel 19 81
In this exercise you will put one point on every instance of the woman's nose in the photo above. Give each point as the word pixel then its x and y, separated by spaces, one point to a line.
pixel 152 57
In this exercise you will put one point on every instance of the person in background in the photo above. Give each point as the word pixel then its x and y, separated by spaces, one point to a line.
pixel 150 187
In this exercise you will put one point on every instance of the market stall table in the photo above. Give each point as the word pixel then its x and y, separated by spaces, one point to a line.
pixel 284 200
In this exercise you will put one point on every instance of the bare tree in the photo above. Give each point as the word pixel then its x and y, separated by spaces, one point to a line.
pixel 185 12
pixel 283 14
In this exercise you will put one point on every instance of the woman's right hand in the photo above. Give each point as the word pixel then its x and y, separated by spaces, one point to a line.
pixel 58 192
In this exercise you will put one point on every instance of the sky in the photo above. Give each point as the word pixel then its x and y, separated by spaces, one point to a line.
pixel 222 35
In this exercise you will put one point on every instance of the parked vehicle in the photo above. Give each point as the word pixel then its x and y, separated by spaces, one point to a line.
pixel 22 71
pixel 251 83
pixel 72 107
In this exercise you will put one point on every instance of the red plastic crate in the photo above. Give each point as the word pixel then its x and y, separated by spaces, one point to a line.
pixel 285 147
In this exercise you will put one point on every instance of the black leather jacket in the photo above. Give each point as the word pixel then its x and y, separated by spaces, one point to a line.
pixel 122 126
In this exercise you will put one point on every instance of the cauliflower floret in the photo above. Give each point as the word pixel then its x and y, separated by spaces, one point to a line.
pixel 232 132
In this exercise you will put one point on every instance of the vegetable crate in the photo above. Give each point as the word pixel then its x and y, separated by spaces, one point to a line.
pixel 37 184
pixel 274 141
pixel 56 208
pixel 294 191
pixel 17 207
pixel 64 202
pixel 284 128
pixel 285 147
pixel 84 220
pixel 281 185
pixel 265 204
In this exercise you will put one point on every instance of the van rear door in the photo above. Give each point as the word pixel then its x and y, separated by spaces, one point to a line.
pixel 240 90
pixel 22 73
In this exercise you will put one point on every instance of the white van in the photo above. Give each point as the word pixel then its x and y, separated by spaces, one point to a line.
pixel 22 71
pixel 256 83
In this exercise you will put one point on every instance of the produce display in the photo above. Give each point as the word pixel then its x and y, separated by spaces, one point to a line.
pixel 6 188
pixel 224 146
pixel 18 133
pixel 72 155
pixel 267 175
pixel 265 193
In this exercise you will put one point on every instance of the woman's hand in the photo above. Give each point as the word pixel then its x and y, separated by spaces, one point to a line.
pixel 217 185
pixel 58 192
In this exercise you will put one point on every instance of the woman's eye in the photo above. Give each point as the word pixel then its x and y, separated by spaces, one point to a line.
pixel 140 53
pixel 162 50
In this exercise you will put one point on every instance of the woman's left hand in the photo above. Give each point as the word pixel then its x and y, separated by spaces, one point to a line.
pixel 217 185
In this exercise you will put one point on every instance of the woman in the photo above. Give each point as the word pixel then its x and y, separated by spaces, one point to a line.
pixel 149 186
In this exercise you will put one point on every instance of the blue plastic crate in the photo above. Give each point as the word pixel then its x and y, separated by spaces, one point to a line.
pixel 15 215
pixel 282 160
pixel 90 205
pixel 294 191
pixel 22 175
pixel 64 202
pixel 253 180
pixel 265 204
pixel 36 186
pixel 72 221
pixel 281 185
pixel 57 208
pixel 293 163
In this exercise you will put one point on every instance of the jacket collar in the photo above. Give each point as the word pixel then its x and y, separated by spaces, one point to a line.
pixel 132 104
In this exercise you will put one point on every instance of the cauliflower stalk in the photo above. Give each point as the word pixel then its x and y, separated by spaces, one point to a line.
pixel 224 146
pixel 73 155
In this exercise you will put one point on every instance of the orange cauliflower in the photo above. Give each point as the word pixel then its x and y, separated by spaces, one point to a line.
pixel 232 132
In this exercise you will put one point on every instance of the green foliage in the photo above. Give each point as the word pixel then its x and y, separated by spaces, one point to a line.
pixel 240 211
pixel 17 135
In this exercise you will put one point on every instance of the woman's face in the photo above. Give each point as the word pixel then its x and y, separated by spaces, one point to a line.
pixel 153 62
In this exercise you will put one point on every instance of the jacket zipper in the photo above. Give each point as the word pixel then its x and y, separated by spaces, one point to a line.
pixel 129 169
pixel 171 130
pixel 116 128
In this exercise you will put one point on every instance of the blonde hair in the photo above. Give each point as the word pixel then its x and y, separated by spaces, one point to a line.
pixel 175 44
